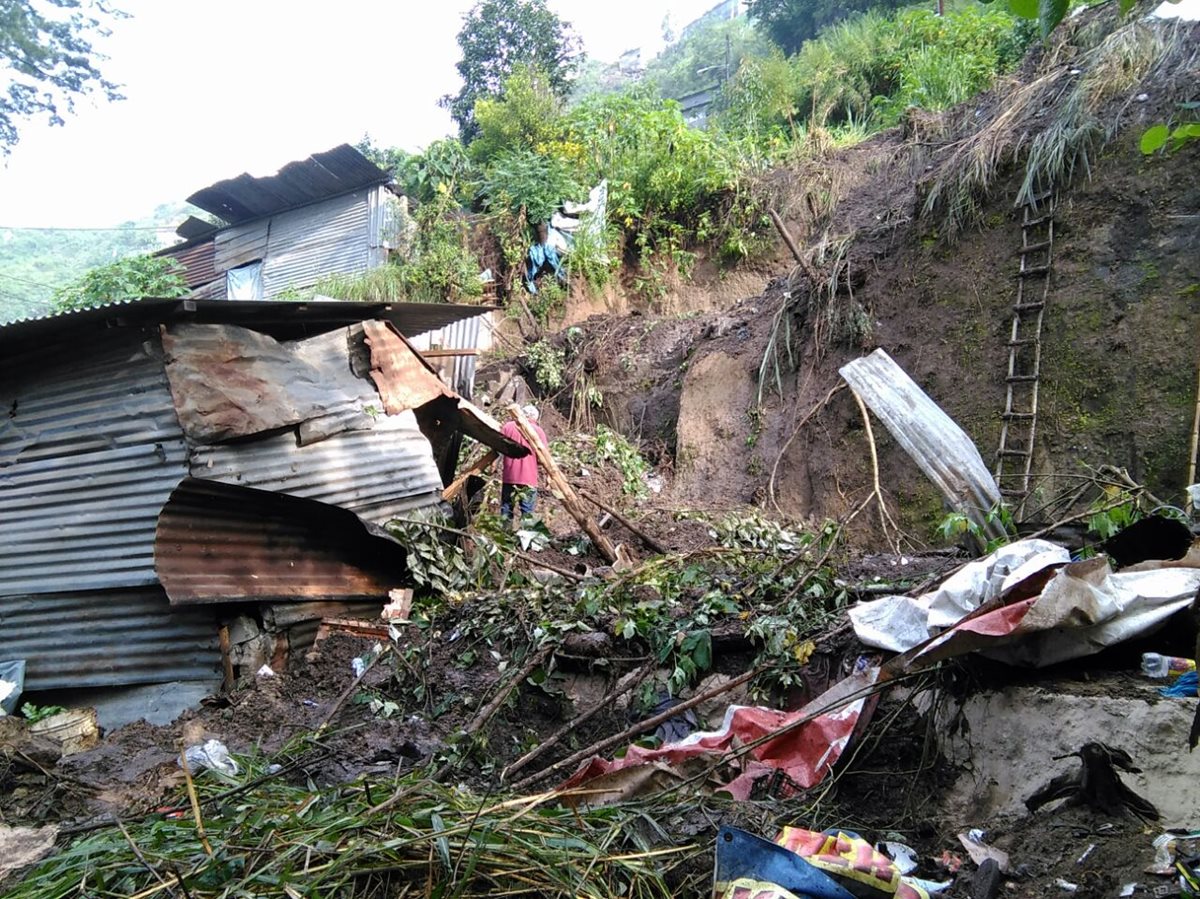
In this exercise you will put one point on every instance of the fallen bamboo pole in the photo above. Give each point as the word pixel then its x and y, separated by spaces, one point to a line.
pixel 629 525
pixel 503 693
pixel 623 686
pixel 639 728
pixel 1191 475
pixel 555 477
pixel 787 237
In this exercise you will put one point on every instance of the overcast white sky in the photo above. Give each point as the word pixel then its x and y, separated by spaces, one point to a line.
pixel 222 87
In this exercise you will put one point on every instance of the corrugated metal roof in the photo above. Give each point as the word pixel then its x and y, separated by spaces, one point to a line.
pixel 192 228
pixel 280 318
pixel 457 371
pixel 89 451
pixel 322 175
pixel 107 638
pixel 219 543
pixel 380 474
pixel 325 238
pixel 940 447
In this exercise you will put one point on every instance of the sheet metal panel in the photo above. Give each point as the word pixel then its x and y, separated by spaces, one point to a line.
pixel 326 238
pixel 380 474
pixel 241 244
pixel 457 371
pixel 107 638
pixel 320 176
pixel 198 261
pixel 941 449
pixel 220 543
pixel 89 452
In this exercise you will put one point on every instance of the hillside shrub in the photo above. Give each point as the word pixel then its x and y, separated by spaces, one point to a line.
pixel 125 279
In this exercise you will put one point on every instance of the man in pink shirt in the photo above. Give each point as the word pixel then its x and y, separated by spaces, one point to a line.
pixel 519 477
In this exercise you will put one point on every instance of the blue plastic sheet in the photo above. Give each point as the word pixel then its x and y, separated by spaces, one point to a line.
pixel 743 856
pixel 1185 685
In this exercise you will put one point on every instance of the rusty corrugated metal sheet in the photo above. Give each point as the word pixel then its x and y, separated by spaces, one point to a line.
pixel 320 176
pixel 379 474
pixel 107 638
pixel 404 380
pixel 228 381
pixel 197 260
pixel 89 451
pixel 326 238
pixel 218 543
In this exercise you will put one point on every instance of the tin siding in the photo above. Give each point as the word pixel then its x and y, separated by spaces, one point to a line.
pixel 87 460
pixel 107 638
pixel 331 237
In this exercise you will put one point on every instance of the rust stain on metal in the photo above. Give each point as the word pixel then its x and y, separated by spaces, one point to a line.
pixel 404 380
pixel 222 543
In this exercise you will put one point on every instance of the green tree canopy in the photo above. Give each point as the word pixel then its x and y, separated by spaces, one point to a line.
pixel 792 22
pixel 46 56
pixel 706 55
pixel 497 36
pixel 125 279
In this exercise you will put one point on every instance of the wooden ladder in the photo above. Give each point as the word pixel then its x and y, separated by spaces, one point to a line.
pixel 1014 459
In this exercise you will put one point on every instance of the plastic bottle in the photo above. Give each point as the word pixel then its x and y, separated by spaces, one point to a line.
pixel 1155 665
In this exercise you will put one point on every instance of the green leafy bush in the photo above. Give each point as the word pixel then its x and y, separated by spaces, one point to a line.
pixel 125 279
pixel 546 363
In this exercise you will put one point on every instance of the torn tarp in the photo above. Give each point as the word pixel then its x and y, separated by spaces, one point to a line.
pixel 803 745
pixel 1049 610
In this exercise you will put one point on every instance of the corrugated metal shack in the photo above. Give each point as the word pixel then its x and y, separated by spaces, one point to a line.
pixel 162 459
pixel 331 214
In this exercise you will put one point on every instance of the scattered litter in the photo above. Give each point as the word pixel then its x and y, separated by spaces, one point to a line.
pixel 74 730
pixel 309 703
pixel 274 768
pixel 12 681
pixel 1066 885
pixel 980 851
pixel 833 865
pixel 1185 686
pixel 1086 852
pixel 1128 890
pixel 1159 666
pixel 904 856
pixel 214 755
pixel 399 607
pixel 359 666
pixel 266 671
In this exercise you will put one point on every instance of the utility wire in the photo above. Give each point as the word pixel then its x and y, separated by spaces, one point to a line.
pixel 118 229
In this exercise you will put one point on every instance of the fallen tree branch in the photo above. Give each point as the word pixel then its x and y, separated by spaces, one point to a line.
pixel 639 728
pixel 485 715
pixel 623 686
pixel 629 525
pixel 885 517
pixel 534 560
pixel 341 700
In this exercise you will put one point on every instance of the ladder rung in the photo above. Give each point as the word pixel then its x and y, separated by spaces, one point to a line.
pixel 1026 341
pixel 1035 270
pixel 1021 453
pixel 1033 248
pixel 1040 220
pixel 1028 307
pixel 1013 379
pixel 1019 416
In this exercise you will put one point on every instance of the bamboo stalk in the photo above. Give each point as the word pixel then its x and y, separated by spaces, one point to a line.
pixel 569 500
pixel 634 529
pixel 195 801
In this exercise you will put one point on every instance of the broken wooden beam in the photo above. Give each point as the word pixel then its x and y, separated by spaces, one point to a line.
pixel 556 480
pixel 450 494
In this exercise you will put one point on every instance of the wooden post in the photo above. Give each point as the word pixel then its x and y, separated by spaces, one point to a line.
pixel 787 237
pixel 1191 475
pixel 555 477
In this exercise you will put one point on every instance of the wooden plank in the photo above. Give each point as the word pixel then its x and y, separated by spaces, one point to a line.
pixel 451 493
pixel 438 354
